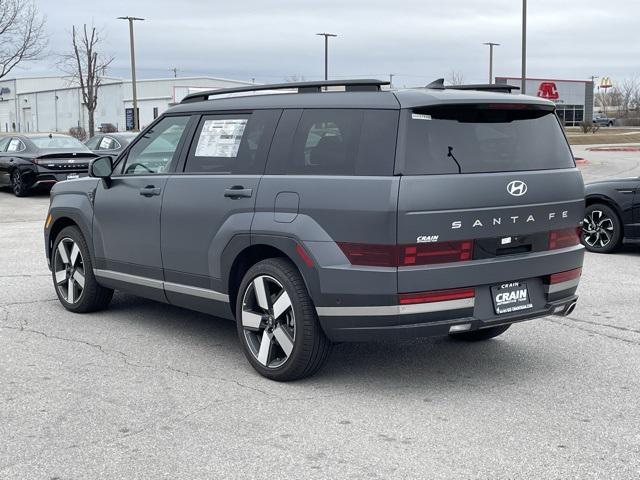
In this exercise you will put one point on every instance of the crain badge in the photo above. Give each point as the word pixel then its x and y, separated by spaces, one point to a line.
pixel 420 116
pixel 427 239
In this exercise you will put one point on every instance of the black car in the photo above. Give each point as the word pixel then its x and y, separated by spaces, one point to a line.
pixel 41 160
pixel 110 143
pixel 613 214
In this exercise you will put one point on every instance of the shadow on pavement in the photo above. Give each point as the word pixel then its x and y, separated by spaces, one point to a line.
pixel 392 364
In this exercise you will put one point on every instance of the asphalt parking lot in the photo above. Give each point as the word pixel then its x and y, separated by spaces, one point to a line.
pixel 144 390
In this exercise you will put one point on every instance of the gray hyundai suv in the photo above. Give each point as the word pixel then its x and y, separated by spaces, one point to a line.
pixel 331 212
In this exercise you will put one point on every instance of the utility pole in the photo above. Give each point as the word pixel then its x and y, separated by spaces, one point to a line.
pixel 524 47
pixel 326 52
pixel 136 120
pixel 391 75
pixel 491 45
pixel 593 91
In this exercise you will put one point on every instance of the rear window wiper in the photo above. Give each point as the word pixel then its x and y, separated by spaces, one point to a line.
pixel 450 154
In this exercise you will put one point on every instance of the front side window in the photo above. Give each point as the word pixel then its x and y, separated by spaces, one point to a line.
pixel 484 139
pixel 3 144
pixel 156 148
pixel 232 144
pixel 92 143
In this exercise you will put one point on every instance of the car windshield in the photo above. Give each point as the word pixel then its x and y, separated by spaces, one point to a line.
pixel 57 143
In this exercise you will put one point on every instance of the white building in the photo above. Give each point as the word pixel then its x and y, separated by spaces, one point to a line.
pixel 54 104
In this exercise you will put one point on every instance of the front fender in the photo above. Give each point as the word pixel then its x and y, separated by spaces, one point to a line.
pixel 71 203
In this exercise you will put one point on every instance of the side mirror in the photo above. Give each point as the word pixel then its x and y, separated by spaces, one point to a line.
pixel 101 167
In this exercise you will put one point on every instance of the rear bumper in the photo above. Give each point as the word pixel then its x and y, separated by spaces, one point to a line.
pixel 370 310
pixel 44 177
pixel 350 328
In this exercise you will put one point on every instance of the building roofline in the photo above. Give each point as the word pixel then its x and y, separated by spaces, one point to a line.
pixel 201 77
pixel 503 77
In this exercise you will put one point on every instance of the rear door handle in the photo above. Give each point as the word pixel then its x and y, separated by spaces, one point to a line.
pixel 238 191
pixel 149 191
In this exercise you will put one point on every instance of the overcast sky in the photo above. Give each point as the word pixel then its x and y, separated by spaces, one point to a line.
pixel 417 40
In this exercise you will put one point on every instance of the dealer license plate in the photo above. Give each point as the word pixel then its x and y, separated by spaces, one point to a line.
pixel 511 297
pixel 71 176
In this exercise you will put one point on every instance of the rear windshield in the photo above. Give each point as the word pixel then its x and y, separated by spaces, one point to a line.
pixel 57 143
pixel 483 139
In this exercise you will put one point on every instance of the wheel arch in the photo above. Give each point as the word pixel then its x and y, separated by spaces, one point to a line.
pixel 63 221
pixel 608 201
pixel 260 249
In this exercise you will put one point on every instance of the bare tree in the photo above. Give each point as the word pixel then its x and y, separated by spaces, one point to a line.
pixel 22 34
pixel 610 97
pixel 87 66
pixel 629 92
pixel 455 78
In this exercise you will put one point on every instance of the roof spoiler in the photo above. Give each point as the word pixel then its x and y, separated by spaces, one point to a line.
pixel 358 85
pixel 481 87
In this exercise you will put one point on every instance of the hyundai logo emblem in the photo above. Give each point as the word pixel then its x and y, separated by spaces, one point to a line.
pixel 517 188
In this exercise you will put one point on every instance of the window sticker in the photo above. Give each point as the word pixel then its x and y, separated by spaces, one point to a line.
pixel 221 138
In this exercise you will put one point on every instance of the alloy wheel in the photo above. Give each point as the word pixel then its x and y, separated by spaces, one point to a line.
pixel 16 182
pixel 597 229
pixel 69 270
pixel 268 321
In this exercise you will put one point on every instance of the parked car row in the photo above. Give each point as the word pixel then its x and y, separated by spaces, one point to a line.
pixel 30 161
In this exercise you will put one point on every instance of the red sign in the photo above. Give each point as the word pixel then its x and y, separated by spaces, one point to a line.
pixel 548 90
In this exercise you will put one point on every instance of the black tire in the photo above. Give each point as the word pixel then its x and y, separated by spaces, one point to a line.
pixel 17 184
pixel 93 297
pixel 480 335
pixel 311 347
pixel 601 220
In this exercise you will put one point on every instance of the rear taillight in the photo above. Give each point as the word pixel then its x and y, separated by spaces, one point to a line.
pixel 565 276
pixel 567 237
pixel 370 255
pixel 436 296
pixel 430 253
pixel 407 255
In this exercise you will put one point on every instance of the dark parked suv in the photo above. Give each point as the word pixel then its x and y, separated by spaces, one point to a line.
pixel 316 216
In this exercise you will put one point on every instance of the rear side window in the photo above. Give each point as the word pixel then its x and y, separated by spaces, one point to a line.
pixel 108 143
pixel 483 139
pixel 15 145
pixel 337 142
pixel 232 144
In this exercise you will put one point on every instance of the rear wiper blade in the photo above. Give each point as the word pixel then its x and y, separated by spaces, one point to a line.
pixel 450 154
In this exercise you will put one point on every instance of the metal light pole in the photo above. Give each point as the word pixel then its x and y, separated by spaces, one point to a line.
pixel 524 47
pixel 491 45
pixel 326 52
pixel 136 120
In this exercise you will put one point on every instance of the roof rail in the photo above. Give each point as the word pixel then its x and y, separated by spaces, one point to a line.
pixel 482 87
pixel 359 85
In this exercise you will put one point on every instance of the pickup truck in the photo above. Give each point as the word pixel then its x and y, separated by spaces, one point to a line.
pixel 603 120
